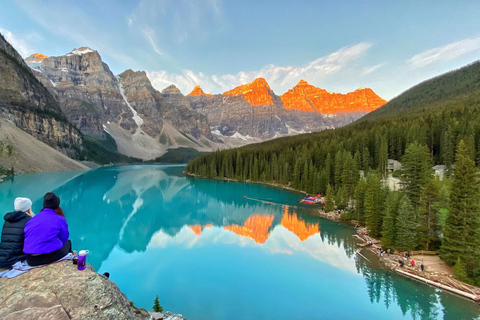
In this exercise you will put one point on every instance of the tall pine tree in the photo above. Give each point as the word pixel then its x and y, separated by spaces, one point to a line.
pixel 428 228
pixel 329 203
pixel 373 202
pixel 461 236
pixel 406 226
pixel 416 171
pixel 389 221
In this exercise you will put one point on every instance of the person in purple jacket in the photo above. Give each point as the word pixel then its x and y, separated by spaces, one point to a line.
pixel 46 234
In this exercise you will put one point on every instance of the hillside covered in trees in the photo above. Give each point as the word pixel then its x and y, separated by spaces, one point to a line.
pixel 435 122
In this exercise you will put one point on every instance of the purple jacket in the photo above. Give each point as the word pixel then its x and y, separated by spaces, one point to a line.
pixel 45 232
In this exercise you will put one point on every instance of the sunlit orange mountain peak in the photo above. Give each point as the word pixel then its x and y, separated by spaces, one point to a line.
pixel 36 57
pixel 197 229
pixel 40 56
pixel 197 91
pixel 305 97
pixel 256 227
pixel 301 229
pixel 257 93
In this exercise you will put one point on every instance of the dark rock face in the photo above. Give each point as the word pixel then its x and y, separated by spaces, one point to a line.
pixel 155 107
pixel 176 108
pixel 88 92
pixel 142 122
pixel 27 102
pixel 230 114
pixel 255 110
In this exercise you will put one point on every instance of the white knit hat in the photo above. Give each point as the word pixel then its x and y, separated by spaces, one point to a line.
pixel 22 204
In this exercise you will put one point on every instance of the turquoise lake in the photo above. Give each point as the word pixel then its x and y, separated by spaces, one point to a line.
pixel 210 253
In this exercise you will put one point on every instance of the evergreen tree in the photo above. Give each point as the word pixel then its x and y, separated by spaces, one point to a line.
pixel 428 228
pixel 383 158
pixel 460 272
pixel 341 198
pixel 339 164
pixel 389 221
pixel 366 160
pixel 373 196
pixel 329 203
pixel 416 171
pixel 461 236
pixel 360 201
pixel 349 176
pixel 156 305
pixel 406 225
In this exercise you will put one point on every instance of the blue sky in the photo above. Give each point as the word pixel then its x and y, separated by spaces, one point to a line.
pixel 340 46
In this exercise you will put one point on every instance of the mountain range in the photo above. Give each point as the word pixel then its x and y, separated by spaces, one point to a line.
pixel 124 113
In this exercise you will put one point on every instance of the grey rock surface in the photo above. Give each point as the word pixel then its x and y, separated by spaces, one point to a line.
pixel 30 106
pixel 60 291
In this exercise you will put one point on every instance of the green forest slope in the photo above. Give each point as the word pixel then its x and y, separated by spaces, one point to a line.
pixel 461 85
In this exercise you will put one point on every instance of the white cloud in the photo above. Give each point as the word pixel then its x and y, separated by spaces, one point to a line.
pixel 368 70
pixel 19 44
pixel 75 25
pixel 447 52
pixel 178 21
pixel 149 33
pixel 279 78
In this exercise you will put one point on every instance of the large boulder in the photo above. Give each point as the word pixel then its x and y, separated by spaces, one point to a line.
pixel 59 291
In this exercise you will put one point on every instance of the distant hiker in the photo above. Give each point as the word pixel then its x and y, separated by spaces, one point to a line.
pixel 422 267
pixel 413 263
pixel 400 261
pixel 381 252
pixel 388 252
pixel 11 245
pixel 46 234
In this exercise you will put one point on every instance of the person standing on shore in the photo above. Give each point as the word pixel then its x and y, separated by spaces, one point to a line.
pixel 11 245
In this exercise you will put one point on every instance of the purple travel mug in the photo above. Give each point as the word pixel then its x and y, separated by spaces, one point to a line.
pixel 82 259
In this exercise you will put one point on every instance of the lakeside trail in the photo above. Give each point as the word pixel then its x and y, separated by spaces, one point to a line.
pixel 436 272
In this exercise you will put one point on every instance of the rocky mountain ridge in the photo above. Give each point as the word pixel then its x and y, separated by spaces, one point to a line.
pixel 141 121
pixel 257 93
pixel 253 111
pixel 305 97
pixel 197 91
pixel 29 105
pixel 145 123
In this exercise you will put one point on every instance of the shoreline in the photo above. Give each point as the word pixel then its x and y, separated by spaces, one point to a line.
pixel 442 280
pixel 280 186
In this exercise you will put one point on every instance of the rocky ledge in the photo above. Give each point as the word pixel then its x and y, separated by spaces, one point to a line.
pixel 59 291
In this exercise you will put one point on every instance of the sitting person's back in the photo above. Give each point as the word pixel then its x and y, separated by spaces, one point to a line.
pixel 46 234
pixel 11 245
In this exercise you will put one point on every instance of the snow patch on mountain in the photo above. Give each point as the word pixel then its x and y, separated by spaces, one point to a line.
pixel 136 117
pixel 79 51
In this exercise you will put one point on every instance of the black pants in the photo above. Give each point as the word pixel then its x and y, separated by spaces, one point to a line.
pixel 50 257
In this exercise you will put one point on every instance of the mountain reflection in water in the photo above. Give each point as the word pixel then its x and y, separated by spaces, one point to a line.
pixel 160 233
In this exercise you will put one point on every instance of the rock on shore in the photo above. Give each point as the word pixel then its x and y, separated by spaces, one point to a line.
pixel 59 291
